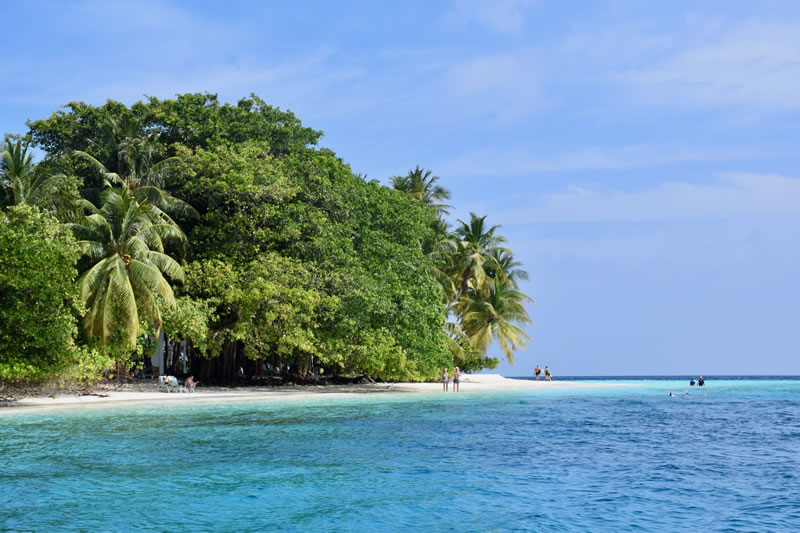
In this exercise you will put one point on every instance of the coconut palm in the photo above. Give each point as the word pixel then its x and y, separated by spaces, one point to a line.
pixel 504 267
pixel 420 184
pixel 42 185
pixel 133 163
pixel 456 340
pixel 478 249
pixel 491 315
pixel 124 242
pixel 15 163
pixel 442 248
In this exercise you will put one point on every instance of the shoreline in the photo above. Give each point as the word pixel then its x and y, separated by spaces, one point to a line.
pixel 215 395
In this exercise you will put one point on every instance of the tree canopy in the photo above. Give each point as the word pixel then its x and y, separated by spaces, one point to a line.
pixel 38 295
pixel 226 226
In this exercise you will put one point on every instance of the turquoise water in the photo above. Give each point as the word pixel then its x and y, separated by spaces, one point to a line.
pixel 623 458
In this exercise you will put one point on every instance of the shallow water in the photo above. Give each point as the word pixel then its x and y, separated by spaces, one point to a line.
pixel 624 458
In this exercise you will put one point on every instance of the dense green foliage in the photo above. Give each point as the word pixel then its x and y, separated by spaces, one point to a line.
pixel 355 251
pixel 38 295
pixel 223 225
pixel 24 183
pixel 123 243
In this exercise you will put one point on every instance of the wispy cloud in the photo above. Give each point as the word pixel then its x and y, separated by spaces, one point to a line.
pixel 519 161
pixel 503 86
pixel 723 253
pixel 735 194
pixel 752 65
pixel 163 49
pixel 502 16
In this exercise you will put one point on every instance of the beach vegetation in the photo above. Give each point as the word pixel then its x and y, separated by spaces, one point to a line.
pixel 492 314
pixel 226 226
pixel 39 300
pixel 420 184
pixel 123 243
pixel 22 182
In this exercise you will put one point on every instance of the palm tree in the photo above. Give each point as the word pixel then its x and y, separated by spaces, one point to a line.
pixel 441 246
pixel 124 242
pixel 478 249
pixel 490 316
pixel 505 267
pixel 41 185
pixel 488 303
pixel 420 184
pixel 456 340
pixel 15 163
pixel 133 163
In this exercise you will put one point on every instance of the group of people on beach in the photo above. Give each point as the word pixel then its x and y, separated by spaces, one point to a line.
pixel 446 380
pixel 547 375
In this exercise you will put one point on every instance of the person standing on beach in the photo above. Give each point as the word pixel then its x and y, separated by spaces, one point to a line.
pixel 190 383
pixel 547 375
pixel 445 380
pixel 537 371
pixel 456 379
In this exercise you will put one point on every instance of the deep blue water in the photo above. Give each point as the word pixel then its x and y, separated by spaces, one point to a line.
pixel 619 458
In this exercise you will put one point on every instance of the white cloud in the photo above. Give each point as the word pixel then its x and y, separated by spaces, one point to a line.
pixel 503 85
pixel 146 28
pixel 730 195
pixel 521 161
pixel 754 65
pixel 164 49
pixel 501 16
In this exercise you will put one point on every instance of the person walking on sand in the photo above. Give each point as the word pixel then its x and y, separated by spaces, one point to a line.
pixel 547 375
pixel 456 379
pixel 537 371
pixel 445 380
pixel 190 383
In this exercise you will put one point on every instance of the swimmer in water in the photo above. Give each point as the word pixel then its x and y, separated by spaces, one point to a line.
pixel 701 381
pixel 671 394
pixel 691 382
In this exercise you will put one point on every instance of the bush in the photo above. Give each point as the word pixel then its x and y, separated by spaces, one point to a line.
pixel 38 296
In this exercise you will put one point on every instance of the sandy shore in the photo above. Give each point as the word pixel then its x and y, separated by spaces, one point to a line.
pixel 469 384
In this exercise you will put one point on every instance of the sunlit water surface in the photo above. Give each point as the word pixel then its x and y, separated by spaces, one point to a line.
pixel 621 458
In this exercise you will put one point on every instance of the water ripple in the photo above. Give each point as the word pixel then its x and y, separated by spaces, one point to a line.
pixel 600 460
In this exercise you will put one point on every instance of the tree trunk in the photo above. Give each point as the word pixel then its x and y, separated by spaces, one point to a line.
pixel 465 279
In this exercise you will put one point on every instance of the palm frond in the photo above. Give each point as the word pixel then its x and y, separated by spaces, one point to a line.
pixel 100 168
pixel 150 277
pixel 165 264
pixel 166 202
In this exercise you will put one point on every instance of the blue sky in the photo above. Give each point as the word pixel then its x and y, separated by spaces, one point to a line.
pixel 642 157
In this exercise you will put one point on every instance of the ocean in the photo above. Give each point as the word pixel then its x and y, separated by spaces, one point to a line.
pixel 626 457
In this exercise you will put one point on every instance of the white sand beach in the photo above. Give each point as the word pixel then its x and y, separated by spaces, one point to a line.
pixel 205 395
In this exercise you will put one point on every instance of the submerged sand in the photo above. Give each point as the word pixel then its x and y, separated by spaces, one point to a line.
pixel 205 395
